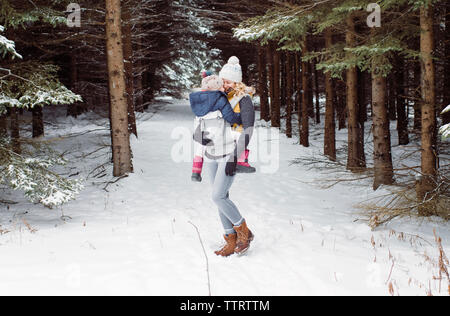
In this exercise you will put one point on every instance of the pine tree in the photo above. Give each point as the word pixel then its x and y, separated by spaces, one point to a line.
pixel 30 85
pixel 304 127
pixel 262 83
pixel 402 118
pixel 330 121
pixel 355 149
pixel 290 94
pixel 276 104
pixel 282 26
pixel 128 60
pixel 446 101
pixel 117 88
pixel 381 133
pixel 383 52
pixel 269 58
pixel 428 166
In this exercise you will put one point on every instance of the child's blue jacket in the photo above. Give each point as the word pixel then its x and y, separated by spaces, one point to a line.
pixel 204 102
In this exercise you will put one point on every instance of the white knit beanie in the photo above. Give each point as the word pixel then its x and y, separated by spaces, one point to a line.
pixel 232 71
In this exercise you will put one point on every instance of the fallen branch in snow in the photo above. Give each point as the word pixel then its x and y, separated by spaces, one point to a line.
pixel 8 202
pixel 3 231
pixel 337 167
pixel 102 170
pixel 83 156
pixel 115 181
pixel 72 135
pixel 206 256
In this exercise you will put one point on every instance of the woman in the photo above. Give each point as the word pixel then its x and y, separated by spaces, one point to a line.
pixel 222 169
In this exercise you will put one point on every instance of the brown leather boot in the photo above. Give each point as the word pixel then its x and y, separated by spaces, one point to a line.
pixel 244 238
pixel 228 249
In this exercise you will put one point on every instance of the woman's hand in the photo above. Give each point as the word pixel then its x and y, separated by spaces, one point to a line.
pixel 230 169
pixel 205 140
pixel 202 137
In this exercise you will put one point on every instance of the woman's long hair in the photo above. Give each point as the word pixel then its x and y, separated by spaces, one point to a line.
pixel 242 89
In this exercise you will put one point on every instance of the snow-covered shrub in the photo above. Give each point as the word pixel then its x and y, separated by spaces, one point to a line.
pixel 33 174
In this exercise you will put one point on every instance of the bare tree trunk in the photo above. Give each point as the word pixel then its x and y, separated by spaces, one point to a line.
pixel 15 130
pixel 304 133
pixel 354 133
pixel 310 92
pixel 402 118
pixel 330 122
pixel 146 96
pixel 269 58
pixel 429 151
pixel 117 88
pixel 139 97
pixel 298 91
pixel 392 97
pixel 128 61
pixel 139 84
pixel 262 84
pixel 276 89
pixel 245 72
pixel 361 116
pixel 362 98
pixel 149 78
pixel 446 116
pixel 3 125
pixel 38 122
pixel 417 99
pixel 73 109
pixel 317 93
pixel 381 133
pixel 283 79
pixel 341 105
pixel 289 94
pixel 113 153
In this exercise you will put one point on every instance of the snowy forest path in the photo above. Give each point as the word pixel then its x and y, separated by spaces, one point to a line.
pixel 276 205
pixel 137 237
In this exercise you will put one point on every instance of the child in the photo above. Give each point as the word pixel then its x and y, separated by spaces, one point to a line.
pixel 211 99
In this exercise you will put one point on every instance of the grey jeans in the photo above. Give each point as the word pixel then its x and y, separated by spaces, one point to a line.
pixel 221 184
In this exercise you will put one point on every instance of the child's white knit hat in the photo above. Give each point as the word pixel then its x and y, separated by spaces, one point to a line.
pixel 212 83
pixel 232 70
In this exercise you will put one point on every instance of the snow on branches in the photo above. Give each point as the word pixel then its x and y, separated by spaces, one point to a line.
pixel 15 14
pixel 28 84
pixel 281 25
pixel 7 46
pixel 33 176
pixel 33 84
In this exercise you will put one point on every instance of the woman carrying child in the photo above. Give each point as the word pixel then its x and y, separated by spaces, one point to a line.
pixel 221 158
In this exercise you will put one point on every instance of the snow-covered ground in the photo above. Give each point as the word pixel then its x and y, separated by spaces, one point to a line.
pixel 138 237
